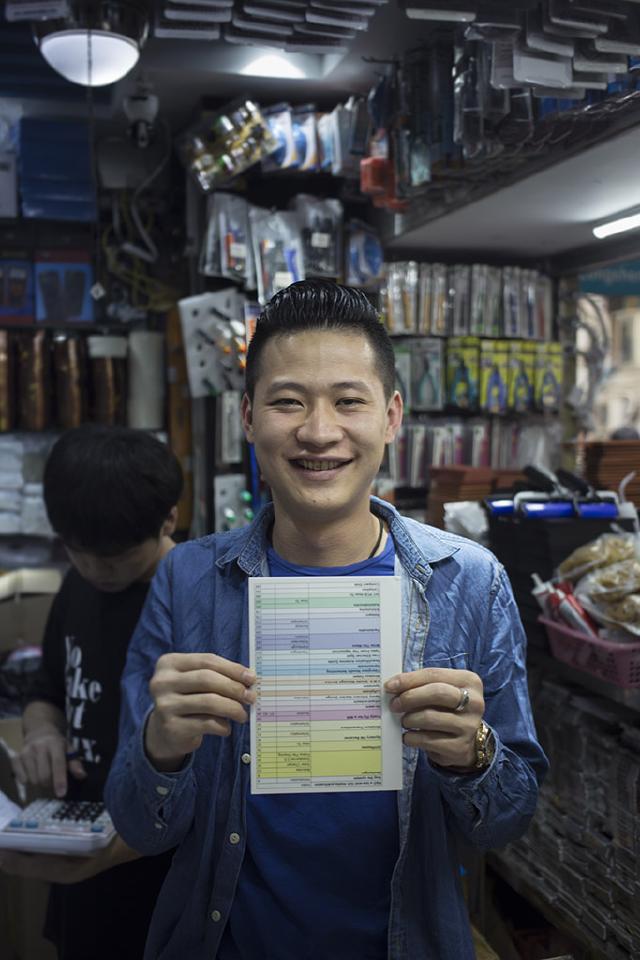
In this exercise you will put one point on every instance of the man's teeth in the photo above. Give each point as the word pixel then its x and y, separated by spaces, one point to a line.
pixel 320 464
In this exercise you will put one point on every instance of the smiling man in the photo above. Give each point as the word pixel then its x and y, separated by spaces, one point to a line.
pixel 343 876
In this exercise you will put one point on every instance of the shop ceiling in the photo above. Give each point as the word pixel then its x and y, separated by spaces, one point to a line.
pixel 544 215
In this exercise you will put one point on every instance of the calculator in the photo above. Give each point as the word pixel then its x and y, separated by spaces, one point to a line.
pixel 72 827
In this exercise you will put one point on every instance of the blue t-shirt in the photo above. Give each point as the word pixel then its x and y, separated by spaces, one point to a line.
pixel 315 882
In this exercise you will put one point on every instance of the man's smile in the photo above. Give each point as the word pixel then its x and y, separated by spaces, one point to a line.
pixel 318 465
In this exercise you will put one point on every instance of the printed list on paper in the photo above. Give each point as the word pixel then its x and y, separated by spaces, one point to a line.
pixel 322 648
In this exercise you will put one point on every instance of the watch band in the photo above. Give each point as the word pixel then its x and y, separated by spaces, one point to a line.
pixel 485 746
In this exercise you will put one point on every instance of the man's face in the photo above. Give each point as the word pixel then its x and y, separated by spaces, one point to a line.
pixel 319 421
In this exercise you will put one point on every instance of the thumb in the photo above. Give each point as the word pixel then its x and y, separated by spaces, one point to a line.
pixel 77 770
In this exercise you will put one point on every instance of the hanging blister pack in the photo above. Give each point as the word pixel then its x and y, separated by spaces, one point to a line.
pixel 459 283
pixel 425 297
pixel 209 263
pixel 439 300
pixel 321 226
pixel 305 136
pixel 279 121
pixel 278 250
pixel 364 256
pixel 233 228
pixel 226 248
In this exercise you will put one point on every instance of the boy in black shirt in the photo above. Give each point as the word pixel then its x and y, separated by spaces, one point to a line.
pixel 111 495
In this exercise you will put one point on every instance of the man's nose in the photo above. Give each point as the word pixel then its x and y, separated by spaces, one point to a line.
pixel 320 425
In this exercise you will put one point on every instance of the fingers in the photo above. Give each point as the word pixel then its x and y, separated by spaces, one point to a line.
pixel 77 770
pixel 204 705
pixel 208 681
pixel 190 662
pixel 429 675
pixel 58 766
pixel 442 696
pixel 19 771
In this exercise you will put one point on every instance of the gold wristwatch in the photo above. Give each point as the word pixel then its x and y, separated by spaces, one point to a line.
pixel 485 746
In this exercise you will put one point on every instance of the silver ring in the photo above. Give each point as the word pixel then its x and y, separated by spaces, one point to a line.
pixel 463 702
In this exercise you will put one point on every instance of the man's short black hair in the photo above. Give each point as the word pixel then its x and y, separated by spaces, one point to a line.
pixel 321 305
pixel 108 489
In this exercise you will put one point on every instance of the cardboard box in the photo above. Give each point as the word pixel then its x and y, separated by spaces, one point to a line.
pixel 25 599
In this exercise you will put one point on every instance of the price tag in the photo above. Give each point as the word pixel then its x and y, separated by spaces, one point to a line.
pixel 282 279
pixel 238 251
pixel 321 240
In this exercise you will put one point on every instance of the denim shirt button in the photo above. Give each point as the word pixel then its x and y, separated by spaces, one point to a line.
pixel 234 838
pixel 162 791
pixel 216 916
pixel 158 825
pixel 246 758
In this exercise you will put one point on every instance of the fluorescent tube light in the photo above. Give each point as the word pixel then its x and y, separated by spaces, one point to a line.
pixel 620 225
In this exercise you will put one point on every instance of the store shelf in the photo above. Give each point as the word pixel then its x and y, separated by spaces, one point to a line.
pixel 522 886
pixel 626 697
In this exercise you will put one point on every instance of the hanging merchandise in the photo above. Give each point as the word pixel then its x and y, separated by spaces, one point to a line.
pixel 521 376
pixel 280 122
pixel 463 370
pixel 305 135
pixel 226 144
pixel 278 250
pixel 214 336
pixel 364 256
pixel 427 374
pixel 321 225
pixel 226 245
pixel 401 297
pixel 548 377
pixel 494 375
pixel 439 300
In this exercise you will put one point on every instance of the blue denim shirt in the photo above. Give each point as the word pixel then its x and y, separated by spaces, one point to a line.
pixel 457 611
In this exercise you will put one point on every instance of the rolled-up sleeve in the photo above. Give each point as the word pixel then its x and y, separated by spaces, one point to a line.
pixel 494 807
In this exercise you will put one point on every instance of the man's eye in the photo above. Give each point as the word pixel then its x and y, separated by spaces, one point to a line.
pixel 350 401
pixel 285 402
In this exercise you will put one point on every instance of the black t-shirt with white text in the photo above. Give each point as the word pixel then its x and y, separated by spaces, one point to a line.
pixel 83 655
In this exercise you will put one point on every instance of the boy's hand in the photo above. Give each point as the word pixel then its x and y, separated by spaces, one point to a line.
pixel 194 694
pixel 44 761
pixel 428 699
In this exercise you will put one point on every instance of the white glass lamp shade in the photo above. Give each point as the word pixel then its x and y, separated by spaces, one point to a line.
pixel 112 55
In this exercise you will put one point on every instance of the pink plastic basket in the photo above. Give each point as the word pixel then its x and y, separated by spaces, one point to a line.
pixel 617 663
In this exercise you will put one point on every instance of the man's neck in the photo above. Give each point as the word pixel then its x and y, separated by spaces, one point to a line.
pixel 332 543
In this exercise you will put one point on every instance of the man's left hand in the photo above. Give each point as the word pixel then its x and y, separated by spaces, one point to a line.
pixel 427 700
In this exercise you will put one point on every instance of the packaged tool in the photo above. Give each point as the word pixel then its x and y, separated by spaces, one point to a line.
pixel 321 226
pixel 463 369
pixel 278 250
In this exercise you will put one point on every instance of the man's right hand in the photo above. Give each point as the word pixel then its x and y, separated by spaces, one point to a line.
pixel 194 694
pixel 43 761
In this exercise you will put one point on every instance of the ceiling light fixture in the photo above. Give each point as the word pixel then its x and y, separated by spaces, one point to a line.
pixel 630 221
pixel 98 43
pixel 272 65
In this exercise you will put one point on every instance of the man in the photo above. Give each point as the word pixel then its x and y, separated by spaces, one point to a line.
pixel 343 876
pixel 111 495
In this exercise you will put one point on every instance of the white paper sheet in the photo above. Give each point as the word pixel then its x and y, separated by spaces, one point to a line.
pixel 322 648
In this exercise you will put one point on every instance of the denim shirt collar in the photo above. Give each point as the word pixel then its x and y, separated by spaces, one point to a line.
pixel 248 545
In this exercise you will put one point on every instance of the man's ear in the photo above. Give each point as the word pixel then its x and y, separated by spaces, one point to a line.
pixel 247 420
pixel 394 417
pixel 169 526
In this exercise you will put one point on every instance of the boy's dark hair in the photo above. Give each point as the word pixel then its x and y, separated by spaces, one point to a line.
pixel 107 489
pixel 320 305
